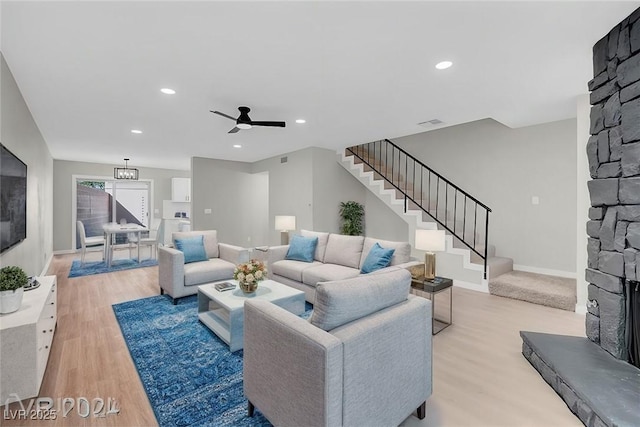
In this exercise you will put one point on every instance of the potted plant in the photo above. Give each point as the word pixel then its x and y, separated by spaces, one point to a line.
pixel 352 214
pixel 12 282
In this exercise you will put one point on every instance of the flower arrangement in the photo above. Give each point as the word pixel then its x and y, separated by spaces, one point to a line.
pixel 249 274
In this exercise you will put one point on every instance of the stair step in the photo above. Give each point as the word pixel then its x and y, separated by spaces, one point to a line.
pixel 542 289
pixel 497 266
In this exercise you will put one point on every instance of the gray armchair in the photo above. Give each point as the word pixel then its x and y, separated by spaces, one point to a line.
pixel 178 279
pixel 364 357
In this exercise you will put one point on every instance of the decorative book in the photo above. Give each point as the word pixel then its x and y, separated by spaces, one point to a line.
pixel 224 286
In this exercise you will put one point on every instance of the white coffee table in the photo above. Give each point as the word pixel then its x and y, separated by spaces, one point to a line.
pixel 223 312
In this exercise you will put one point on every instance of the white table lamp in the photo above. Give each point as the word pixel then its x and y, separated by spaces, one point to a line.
pixel 430 241
pixel 285 223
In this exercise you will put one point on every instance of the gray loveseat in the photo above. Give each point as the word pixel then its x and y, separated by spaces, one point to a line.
pixel 337 257
pixel 364 358
pixel 179 279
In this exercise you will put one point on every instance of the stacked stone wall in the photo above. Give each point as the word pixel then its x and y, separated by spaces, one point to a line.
pixel 613 150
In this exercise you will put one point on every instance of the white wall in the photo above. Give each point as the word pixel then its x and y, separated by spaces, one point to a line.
pixel 504 168
pixel 63 171
pixel 20 134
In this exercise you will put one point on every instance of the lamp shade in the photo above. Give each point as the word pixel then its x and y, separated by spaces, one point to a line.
pixel 285 222
pixel 430 240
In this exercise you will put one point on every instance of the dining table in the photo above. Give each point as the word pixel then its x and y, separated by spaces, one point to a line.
pixel 112 228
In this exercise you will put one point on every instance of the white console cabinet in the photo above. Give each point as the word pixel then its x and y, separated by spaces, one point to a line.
pixel 25 341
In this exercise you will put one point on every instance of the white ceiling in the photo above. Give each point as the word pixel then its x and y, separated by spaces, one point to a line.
pixel 356 71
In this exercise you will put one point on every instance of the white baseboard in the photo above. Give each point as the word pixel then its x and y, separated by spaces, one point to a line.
pixel 484 287
pixel 46 266
pixel 549 272
pixel 65 252
pixel 581 309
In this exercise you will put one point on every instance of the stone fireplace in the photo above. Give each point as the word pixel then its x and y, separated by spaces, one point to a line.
pixel 599 377
pixel 613 151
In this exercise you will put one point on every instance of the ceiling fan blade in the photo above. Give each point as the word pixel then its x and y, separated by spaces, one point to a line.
pixel 223 115
pixel 273 124
pixel 234 130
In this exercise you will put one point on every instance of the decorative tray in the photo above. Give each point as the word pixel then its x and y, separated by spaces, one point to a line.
pixel 31 284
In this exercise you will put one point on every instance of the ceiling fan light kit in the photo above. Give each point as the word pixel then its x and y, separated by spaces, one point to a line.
pixel 244 122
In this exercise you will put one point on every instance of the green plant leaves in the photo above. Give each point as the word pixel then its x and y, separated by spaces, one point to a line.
pixel 12 278
pixel 352 215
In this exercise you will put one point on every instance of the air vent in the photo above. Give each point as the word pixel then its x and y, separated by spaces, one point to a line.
pixel 429 123
pixel 283 159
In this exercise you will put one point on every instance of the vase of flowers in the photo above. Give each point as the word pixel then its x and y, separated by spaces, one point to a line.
pixel 249 274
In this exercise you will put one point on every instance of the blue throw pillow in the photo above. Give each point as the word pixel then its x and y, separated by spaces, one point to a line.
pixel 193 249
pixel 302 248
pixel 378 258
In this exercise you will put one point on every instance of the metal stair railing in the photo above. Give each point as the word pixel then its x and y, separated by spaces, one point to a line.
pixel 455 210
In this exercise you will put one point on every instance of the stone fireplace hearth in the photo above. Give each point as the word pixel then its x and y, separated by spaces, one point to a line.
pixel 596 375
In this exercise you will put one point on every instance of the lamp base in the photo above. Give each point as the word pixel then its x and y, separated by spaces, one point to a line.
pixel 284 237
pixel 429 266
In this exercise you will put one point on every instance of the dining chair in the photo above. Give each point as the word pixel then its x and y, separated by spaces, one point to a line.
pixel 89 242
pixel 151 241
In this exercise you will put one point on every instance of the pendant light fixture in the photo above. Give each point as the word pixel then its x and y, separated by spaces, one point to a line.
pixel 126 172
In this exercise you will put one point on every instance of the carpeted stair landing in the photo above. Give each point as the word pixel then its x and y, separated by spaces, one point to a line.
pixel 552 291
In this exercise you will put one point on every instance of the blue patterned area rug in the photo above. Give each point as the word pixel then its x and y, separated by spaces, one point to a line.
pixel 99 267
pixel 189 374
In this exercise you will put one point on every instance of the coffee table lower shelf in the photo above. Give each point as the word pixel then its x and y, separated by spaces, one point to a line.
pixel 214 323
pixel 223 312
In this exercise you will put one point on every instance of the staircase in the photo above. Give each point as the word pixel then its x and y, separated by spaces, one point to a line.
pixel 425 199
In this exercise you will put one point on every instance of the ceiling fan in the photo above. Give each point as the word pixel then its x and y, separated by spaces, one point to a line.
pixel 244 121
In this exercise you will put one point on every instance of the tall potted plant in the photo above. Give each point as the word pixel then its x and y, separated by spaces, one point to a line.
pixel 352 214
pixel 12 282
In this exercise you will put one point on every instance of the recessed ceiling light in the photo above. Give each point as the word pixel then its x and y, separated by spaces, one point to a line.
pixel 167 91
pixel 444 65
pixel 237 146
pixel 301 121
pixel 136 131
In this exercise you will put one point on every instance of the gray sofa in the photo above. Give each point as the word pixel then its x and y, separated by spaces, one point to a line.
pixel 179 279
pixel 337 257
pixel 364 358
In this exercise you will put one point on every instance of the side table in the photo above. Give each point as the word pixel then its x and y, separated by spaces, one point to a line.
pixel 433 287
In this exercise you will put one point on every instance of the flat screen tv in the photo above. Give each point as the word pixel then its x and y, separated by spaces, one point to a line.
pixel 13 199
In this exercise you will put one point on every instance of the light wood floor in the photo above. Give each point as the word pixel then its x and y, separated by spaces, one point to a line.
pixel 480 376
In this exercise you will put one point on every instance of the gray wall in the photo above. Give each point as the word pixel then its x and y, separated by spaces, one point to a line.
pixel 244 198
pixel 290 189
pixel 504 168
pixel 332 184
pixel 310 186
pixel 63 171
pixel 382 222
pixel 224 187
pixel 20 134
